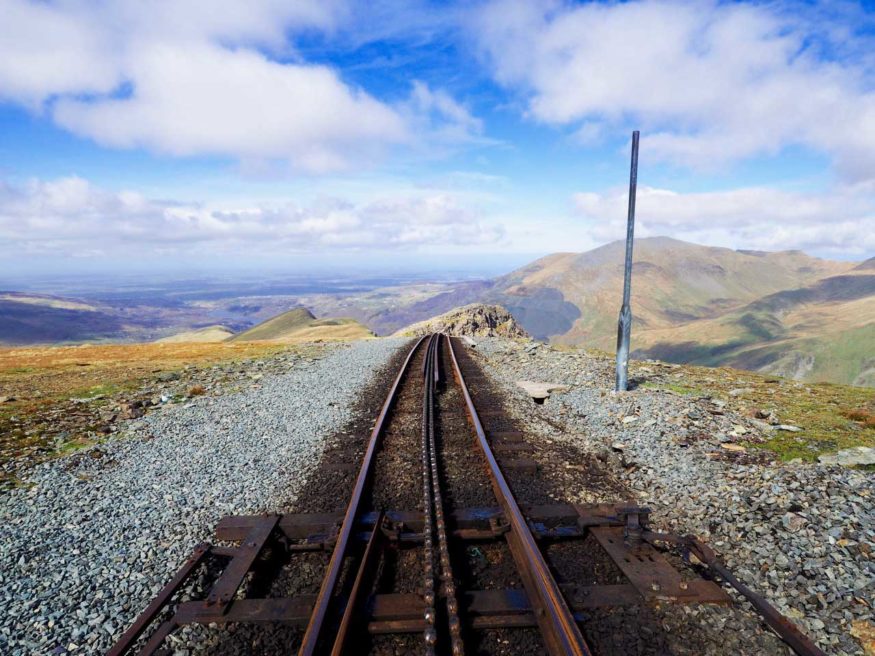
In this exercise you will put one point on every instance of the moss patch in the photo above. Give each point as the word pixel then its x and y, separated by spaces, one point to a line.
pixel 831 417
pixel 677 388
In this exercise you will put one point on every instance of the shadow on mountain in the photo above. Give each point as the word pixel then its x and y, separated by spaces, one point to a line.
pixel 543 311
pixel 24 323
pixel 689 352
pixel 835 289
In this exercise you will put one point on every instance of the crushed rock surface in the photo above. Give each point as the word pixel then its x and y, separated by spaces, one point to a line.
pixel 94 536
pixel 802 535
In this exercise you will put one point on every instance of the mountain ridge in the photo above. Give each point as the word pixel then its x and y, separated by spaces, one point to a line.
pixel 300 324
pixel 781 312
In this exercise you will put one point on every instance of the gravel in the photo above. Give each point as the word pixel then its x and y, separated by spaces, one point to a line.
pixel 802 535
pixel 93 537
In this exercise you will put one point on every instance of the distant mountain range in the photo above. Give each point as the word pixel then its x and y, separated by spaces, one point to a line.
pixel 27 319
pixel 36 319
pixel 784 313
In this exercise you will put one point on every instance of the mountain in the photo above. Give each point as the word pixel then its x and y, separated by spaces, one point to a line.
pixel 474 320
pixel 868 265
pixel 575 297
pixel 782 313
pixel 201 335
pixel 299 324
pixel 38 319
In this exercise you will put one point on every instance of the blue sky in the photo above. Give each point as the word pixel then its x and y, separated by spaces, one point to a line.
pixel 270 133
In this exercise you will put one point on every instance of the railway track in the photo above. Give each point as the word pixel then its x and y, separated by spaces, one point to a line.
pixel 433 552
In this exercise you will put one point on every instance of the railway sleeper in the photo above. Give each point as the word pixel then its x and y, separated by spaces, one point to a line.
pixel 265 541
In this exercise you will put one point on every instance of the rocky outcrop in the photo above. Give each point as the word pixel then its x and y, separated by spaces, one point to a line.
pixel 475 320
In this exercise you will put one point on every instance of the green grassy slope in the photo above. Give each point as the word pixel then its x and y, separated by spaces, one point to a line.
pixel 278 326
pixel 301 324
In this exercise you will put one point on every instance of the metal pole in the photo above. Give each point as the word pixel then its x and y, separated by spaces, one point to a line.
pixel 624 326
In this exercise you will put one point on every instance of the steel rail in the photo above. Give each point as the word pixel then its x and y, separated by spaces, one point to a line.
pixel 145 618
pixel 448 584
pixel 349 613
pixel 428 562
pixel 555 619
pixel 316 625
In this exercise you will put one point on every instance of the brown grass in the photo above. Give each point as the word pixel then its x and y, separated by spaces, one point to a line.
pixel 72 370
pixel 42 386
pixel 197 390
pixel 865 417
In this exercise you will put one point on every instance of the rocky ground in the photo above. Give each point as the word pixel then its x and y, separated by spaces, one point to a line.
pixel 803 535
pixel 57 400
pixel 88 539
pixel 475 320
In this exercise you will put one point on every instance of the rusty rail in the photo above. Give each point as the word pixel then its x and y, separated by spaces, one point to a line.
pixel 130 636
pixel 434 502
pixel 789 632
pixel 557 624
pixel 317 622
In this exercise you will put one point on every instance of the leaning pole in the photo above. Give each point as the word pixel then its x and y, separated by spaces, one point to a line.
pixel 624 326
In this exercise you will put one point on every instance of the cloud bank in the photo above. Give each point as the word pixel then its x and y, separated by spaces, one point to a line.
pixel 841 222
pixel 709 83
pixel 70 216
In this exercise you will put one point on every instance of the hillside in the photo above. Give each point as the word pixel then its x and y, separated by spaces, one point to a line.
pixel 574 298
pixel 34 319
pixel 474 320
pixel 822 332
pixel 205 335
pixel 299 324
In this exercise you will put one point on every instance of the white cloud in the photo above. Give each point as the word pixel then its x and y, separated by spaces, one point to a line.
pixel 452 120
pixel 709 82
pixel 206 78
pixel 70 216
pixel 81 47
pixel 841 222
pixel 205 99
